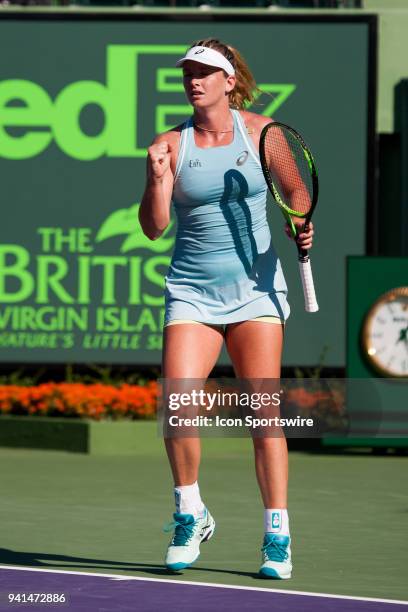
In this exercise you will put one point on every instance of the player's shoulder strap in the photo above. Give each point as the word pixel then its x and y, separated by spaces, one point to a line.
pixel 245 135
pixel 185 131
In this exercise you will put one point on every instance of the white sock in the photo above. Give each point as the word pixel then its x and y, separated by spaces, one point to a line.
pixel 188 500
pixel 276 520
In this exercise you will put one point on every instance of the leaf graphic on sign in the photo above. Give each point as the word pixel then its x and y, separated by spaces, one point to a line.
pixel 126 221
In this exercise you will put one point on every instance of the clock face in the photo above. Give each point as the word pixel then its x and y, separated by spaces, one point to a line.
pixel 385 334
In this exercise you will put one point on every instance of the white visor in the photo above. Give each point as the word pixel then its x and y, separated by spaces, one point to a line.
pixel 210 57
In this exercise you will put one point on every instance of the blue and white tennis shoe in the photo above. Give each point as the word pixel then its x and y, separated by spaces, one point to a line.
pixel 189 532
pixel 276 557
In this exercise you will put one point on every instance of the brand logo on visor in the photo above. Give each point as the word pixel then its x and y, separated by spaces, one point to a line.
pixel 199 51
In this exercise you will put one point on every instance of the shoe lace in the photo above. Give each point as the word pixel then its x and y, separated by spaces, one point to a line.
pixel 275 550
pixel 183 532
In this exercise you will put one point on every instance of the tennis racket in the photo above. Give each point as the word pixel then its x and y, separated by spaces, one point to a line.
pixel 291 176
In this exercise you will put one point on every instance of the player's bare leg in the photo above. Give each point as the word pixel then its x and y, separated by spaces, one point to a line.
pixel 255 349
pixel 190 352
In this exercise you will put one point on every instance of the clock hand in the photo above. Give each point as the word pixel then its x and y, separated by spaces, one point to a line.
pixel 403 335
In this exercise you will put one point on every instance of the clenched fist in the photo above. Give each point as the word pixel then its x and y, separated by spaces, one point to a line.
pixel 158 159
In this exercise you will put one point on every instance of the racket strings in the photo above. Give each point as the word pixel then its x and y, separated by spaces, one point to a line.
pixel 289 170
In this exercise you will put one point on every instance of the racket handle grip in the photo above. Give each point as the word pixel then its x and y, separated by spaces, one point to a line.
pixel 305 269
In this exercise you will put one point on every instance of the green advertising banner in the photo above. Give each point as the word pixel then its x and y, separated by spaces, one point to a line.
pixel 81 97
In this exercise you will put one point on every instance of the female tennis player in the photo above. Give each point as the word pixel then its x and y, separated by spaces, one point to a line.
pixel 225 282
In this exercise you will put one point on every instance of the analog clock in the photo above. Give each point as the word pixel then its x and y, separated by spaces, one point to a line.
pixel 385 334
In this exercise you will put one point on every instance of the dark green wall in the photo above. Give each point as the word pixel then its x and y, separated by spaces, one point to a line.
pixel 89 173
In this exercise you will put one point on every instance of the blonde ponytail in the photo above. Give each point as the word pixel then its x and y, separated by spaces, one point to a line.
pixel 244 92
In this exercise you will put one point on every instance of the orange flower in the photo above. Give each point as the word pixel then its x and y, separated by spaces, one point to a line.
pixel 301 398
pixel 79 400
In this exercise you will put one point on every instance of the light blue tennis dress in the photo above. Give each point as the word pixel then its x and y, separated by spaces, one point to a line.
pixel 224 268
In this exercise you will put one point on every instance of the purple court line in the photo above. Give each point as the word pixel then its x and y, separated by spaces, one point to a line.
pixel 87 592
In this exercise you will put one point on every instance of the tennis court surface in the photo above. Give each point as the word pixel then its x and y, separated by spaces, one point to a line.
pixel 85 592
pixel 91 528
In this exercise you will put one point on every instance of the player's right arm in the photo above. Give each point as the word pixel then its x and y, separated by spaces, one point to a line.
pixel 154 211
